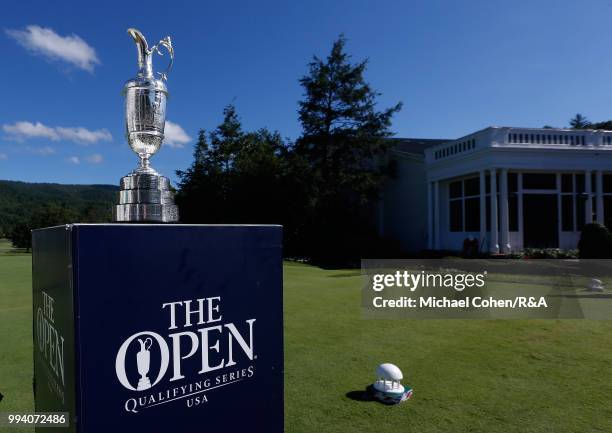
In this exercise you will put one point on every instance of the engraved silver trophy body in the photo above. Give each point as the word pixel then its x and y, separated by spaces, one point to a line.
pixel 145 195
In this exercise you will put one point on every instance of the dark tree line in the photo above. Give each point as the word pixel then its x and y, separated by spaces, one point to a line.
pixel 53 214
pixel 322 188
pixel 236 176
pixel 580 121
pixel 27 206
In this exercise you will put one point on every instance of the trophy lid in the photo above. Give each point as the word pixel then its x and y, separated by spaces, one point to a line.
pixel 144 83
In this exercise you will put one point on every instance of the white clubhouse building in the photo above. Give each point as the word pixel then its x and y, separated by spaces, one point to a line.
pixel 546 184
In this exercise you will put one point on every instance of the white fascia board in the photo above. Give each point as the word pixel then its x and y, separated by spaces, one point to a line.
pixel 526 158
pixel 408 155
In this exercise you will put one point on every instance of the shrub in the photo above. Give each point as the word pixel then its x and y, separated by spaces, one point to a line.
pixel 545 253
pixel 595 242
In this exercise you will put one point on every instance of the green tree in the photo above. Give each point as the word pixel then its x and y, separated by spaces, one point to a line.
pixel 595 242
pixel 606 124
pixel 343 138
pixel 48 215
pixel 19 201
pixel 342 131
pixel 579 122
pixel 20 236
pixel 236 176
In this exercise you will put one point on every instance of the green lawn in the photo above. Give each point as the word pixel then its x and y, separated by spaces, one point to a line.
pixel 468 376
pixel 7 248
pixel 15 331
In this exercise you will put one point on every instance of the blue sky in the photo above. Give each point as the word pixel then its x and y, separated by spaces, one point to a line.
pixel 456 66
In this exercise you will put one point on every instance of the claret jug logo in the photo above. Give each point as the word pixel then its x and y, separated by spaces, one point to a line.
pixel 143 360
pixel 198 353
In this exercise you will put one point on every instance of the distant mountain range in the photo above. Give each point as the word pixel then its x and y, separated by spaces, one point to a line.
pixel 20 200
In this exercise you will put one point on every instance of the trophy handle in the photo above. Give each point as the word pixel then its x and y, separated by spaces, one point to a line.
pixel 148 340
pixel 167 44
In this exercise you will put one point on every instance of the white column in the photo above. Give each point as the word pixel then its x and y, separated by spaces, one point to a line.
pixel 519 181
pixel 559 209
pixel 494 238
pixel 436 201
pixel 575 198
pixel 599 197
pixel 588 205
pixel 430 222
pixel 503 208
pixel 381 215
pixel 483 210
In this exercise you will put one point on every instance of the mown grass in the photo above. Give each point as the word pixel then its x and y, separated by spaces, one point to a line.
pixel 6 248
pixel 468 376
pixel 15 331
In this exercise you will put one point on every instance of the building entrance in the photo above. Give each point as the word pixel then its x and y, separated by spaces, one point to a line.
pixel 540 221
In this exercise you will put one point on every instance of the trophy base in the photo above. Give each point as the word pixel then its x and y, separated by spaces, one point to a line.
pixel 145 198
pixel 145 213
pixel 143 384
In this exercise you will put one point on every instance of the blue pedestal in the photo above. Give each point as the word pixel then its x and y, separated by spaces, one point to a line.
pixel 159 328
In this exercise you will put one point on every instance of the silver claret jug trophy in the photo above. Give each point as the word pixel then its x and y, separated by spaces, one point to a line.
pixel 145 195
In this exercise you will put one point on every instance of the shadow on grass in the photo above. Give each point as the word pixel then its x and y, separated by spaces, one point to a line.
pixel 584 296
pixel 361 395
pixel 348 274
pixel 366 395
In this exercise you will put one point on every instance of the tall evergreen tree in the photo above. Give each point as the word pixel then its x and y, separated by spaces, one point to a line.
pixel 343 137
pixel 201 181
pixel 226 139
pixel 579 122
pixel 235 177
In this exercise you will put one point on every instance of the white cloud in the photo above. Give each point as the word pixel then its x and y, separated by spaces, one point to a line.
pixel 94 158
pixel 44 151
pixel 83 135
pixel 21 131
pixel 3 156
pixel 45 42
pixel 175 136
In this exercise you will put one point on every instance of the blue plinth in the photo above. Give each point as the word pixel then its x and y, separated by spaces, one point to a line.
pixel 159 328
